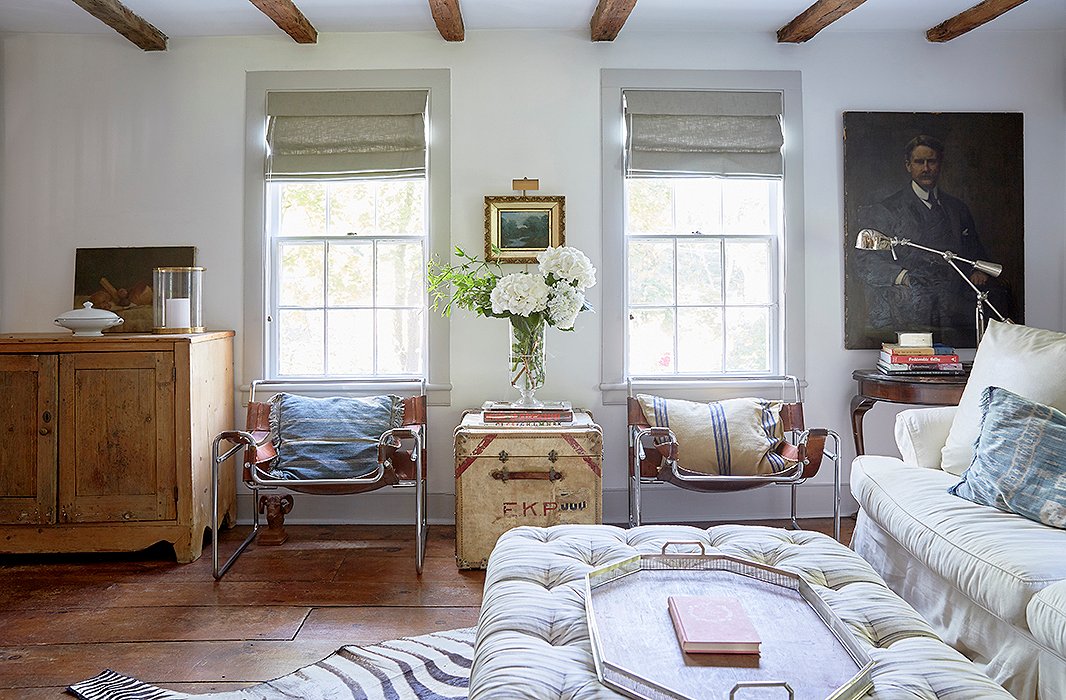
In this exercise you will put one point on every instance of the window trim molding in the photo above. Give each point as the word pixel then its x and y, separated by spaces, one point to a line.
pixel 256 253
pixel 790 340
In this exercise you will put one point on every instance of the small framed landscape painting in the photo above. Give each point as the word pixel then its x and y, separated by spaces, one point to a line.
pixel 517 228
pixel 120 280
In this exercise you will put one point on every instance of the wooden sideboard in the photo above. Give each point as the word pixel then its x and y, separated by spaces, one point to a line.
pixel 107 440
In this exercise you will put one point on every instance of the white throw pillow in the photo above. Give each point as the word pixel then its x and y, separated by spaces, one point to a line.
pixel 921 434
pixel 1027 361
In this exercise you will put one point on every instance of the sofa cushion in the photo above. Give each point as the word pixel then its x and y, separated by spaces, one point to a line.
pixel 734 437
pixel 1047 617
pixel 999 560
pixel 1027 361
pixel 921 434
pixel 1020 464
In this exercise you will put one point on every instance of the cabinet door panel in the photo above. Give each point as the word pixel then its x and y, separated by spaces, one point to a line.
pixel 117 448
pixel 28 435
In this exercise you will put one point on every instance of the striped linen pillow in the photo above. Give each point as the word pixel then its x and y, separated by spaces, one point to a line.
pixel 731 437
pixel 1019 463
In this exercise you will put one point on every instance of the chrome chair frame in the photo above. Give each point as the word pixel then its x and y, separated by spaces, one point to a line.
pixel 243 440
pixel 793 477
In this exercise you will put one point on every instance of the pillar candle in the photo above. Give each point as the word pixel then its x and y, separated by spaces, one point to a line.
pixel 178 313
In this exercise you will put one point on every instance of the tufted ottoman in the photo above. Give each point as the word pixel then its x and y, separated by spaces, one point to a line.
pixel 532 639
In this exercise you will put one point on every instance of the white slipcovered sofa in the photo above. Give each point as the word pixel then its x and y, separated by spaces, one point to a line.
pixel 991 583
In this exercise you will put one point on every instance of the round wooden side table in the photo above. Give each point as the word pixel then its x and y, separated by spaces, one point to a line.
pixel 924 390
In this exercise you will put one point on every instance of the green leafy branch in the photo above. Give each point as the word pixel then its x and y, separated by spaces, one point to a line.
pixel 466 285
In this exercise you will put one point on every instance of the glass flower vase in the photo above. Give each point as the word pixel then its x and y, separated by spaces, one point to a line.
pixel 527 357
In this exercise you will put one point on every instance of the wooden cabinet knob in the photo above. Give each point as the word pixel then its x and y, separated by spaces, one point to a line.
pixel 43 431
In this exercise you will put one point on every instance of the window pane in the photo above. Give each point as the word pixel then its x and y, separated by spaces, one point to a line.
pixel 746 206
pixel 747 339
pixel 402 208
pixel 351 208
pixel 699 340
pixel 351 274
pixel 350 349
pixel 651 341
pixel 299 342
pixel 303 209
pixel 747 272
pixel 399 341
pixel 699 205
pixel 651 272
pixel 400 274
pixel 649 207
pixel 301 274
pixel 699 271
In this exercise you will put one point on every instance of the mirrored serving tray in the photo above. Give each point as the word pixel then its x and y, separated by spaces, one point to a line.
pixel 807 651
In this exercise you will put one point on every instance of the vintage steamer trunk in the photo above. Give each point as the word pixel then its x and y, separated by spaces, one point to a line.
pixel 511 475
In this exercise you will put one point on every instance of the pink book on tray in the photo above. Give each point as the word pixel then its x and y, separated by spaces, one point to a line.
pixel 713 625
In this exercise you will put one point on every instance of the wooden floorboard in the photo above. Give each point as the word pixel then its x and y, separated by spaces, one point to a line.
pixel 64 618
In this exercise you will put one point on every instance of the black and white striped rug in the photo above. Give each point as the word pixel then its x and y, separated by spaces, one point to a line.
pixel 430 667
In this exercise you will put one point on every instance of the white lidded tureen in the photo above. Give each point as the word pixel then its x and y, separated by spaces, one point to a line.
pixel 88 320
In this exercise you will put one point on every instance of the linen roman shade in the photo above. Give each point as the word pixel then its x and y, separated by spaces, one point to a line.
pixel 690 133
pixel 346 134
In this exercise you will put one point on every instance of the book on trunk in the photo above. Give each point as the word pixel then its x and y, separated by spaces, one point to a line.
pixel 713 625
pixel 548 412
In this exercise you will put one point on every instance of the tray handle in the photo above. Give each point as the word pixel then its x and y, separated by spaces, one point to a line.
pixel 703 551
pixel 762 684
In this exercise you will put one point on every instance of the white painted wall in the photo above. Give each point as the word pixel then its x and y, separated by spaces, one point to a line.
pixel 104 145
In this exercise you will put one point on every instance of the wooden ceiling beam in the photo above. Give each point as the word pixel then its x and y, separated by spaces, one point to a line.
pixel 289 19
pixel 609 18
pixel 449 19
pixel 970 19
pixel 120 18
pixel 814 19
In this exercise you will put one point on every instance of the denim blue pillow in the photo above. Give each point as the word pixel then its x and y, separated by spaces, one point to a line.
pixel 1020 459
pixel 330 438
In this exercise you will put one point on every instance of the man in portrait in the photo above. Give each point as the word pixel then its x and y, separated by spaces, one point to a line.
pixel 911 289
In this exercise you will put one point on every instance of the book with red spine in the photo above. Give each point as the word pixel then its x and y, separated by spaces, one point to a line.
pixel 527 416
pixel 713 625
pixel 903 358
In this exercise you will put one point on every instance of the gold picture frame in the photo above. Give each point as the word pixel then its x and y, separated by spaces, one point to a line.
pixel 517 228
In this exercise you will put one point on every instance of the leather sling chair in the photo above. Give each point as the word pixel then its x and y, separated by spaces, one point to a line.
pixel 654 458
pixel 401 457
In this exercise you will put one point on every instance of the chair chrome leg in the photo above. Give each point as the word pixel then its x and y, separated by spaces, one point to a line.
pixel 217 461
pixel 421 518
pixel 795 523
pixel 835 456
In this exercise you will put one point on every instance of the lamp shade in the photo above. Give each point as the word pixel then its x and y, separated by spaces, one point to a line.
pixel 872 239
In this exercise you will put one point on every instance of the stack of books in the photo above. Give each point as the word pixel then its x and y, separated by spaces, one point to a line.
pixel 915 353
pixel 550 412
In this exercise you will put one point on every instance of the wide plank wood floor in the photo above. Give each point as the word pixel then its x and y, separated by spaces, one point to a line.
pixel 64 618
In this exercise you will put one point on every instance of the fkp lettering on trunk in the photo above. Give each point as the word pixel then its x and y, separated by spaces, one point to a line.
pixel 539 508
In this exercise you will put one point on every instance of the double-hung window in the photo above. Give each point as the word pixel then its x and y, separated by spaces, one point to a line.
pixel 699 234
pixel 347 230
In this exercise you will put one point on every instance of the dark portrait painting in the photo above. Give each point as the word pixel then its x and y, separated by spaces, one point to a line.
pixel 949 182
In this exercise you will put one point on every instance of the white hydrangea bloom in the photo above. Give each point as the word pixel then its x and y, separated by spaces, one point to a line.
pixel 568 264
pixel 564 305
pixel 520 294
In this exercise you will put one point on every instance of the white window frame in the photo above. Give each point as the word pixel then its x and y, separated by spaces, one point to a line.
pixel 788 340
pixel 257 241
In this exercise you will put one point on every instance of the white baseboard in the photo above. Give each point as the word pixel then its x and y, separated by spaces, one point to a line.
pixel 660 504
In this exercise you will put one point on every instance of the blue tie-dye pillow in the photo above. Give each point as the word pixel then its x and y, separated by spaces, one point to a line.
pixel 330 438
pixel 1020 459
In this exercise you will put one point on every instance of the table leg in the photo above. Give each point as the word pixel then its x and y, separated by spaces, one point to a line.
pixel 859 406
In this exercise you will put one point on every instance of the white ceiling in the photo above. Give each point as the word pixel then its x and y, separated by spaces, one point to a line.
pixel 182 18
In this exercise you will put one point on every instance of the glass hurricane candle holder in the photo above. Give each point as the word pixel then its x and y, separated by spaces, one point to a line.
pixel 176 299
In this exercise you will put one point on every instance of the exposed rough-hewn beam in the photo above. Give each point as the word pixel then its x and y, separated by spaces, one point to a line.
pixel 119 17
pixel 609 17
pixel 288 17
pixel 449 19
pixel 970 19
pixel 814 19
